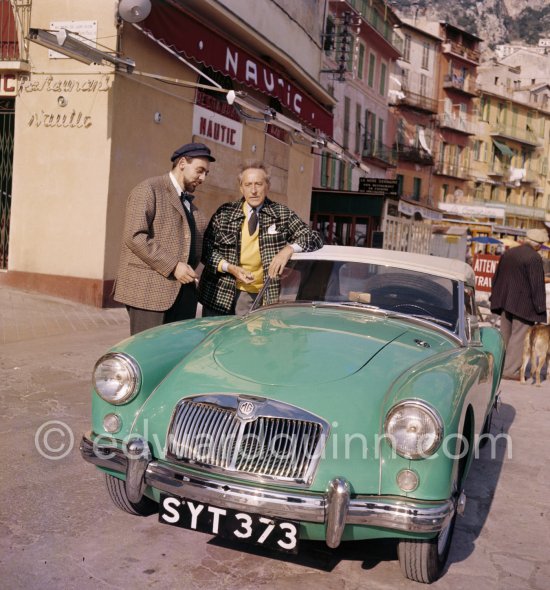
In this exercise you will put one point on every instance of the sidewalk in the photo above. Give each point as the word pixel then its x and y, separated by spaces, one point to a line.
pixel 26 316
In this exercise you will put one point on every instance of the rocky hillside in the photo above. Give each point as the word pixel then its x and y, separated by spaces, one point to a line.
pixel 495 21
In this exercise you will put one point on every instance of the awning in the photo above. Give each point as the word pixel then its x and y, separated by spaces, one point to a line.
pixel 186 35
pixel 503 148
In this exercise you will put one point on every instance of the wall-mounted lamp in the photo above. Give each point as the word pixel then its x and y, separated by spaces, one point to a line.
pixel 157 117
pixel 134 11
pixel 69 44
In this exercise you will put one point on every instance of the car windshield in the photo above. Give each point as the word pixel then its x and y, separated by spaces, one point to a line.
pixel 363 284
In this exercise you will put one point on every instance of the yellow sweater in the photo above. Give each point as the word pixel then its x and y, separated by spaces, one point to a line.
pixel 251 260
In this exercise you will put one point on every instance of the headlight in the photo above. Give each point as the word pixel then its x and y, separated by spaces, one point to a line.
pixel 117 378
pixel 414 429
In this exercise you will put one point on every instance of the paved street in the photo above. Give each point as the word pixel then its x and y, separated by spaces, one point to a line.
pixel 60 530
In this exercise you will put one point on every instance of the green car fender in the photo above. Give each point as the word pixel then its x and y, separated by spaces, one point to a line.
pixel 454 383
pixel 157 351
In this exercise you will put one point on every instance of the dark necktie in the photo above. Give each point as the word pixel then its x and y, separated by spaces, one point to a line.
pixel 193 258
pixel 252 222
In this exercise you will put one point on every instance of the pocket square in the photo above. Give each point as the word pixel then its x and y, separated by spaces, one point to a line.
pixel 272 229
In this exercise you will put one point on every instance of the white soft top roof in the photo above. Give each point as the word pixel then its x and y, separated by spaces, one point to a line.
pixel 449 268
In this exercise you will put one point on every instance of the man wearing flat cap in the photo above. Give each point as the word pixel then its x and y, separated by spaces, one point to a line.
pixel 162 242
pixel 519 296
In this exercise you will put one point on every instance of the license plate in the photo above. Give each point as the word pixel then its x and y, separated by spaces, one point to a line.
pixel 230 524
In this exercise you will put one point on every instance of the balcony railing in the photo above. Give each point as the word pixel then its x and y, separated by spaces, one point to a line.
pixel 457 82
pixel 14 25
pixel 461 50
pixel 452 169
pixel 411 153
pixel 525 136
pixel 377 21
pixel 497 168
pixel 379 151
pixel 457 122
pixel 531 176
pixel 419 101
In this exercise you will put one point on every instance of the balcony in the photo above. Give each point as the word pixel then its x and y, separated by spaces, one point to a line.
pixel 452 169
pixel 524 136
pixel 411 153
pixel 457 122
pixel 379 153
pixel 377 21
pixel 498 168
pixel 530 176
pixel 466 53
pixel 466 85
pixel 418 101
pixel 13 30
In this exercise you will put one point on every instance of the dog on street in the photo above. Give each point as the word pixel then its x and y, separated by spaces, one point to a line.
pixel 535 349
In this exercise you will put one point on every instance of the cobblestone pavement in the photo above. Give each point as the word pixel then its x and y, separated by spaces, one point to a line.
pixel 26 316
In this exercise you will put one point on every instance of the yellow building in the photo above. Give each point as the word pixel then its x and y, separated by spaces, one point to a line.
pixel 509 160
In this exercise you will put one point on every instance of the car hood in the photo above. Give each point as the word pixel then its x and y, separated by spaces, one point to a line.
pixel 298 348
pixel 290 347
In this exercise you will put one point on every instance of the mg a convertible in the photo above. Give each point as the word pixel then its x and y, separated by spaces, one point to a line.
pixel 349 408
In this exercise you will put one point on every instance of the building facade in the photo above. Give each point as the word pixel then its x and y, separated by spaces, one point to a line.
pixel 85 133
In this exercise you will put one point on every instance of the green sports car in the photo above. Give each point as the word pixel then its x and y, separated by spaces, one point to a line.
pixel 350 408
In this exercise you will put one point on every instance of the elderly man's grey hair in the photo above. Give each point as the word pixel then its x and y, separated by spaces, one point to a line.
pixel 255 165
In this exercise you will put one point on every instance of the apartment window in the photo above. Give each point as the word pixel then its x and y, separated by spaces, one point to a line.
pixel 423 84
pixel 346 121
pixel 477 150
pixel 444 192
pixel 485 108
pixel 417 185
pixel 425 56
pixel 361 61
pixel 341 175
pixel 358 128
pixel 380 132
pixel 407 48
pixel 400 180
pixel 330 29
pixel 372 69
pixel 383 70
pixel 494 193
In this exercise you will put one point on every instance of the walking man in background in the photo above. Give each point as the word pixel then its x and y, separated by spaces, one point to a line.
pixel 246 241
pixel 161 243
pixel 519 296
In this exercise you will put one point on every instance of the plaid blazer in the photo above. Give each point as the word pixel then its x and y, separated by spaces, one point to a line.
pixel 278 226
pixel 156 237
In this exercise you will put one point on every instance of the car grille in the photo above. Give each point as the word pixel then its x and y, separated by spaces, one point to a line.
pixel 278 442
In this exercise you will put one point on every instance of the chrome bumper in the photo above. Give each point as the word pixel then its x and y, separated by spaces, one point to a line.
pixel 335 508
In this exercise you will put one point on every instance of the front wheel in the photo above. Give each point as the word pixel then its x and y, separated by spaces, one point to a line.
pixel 117 491
pixel 423 561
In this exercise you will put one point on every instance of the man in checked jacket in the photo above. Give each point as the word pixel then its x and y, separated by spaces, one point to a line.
pixel 246 241
pixel 162 242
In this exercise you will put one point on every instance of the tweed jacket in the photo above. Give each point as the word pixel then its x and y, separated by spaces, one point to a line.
pixel 518 285
pixel 278 226
pixel 156 237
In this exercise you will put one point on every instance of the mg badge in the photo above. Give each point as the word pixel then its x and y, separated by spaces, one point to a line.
pixel 246 410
